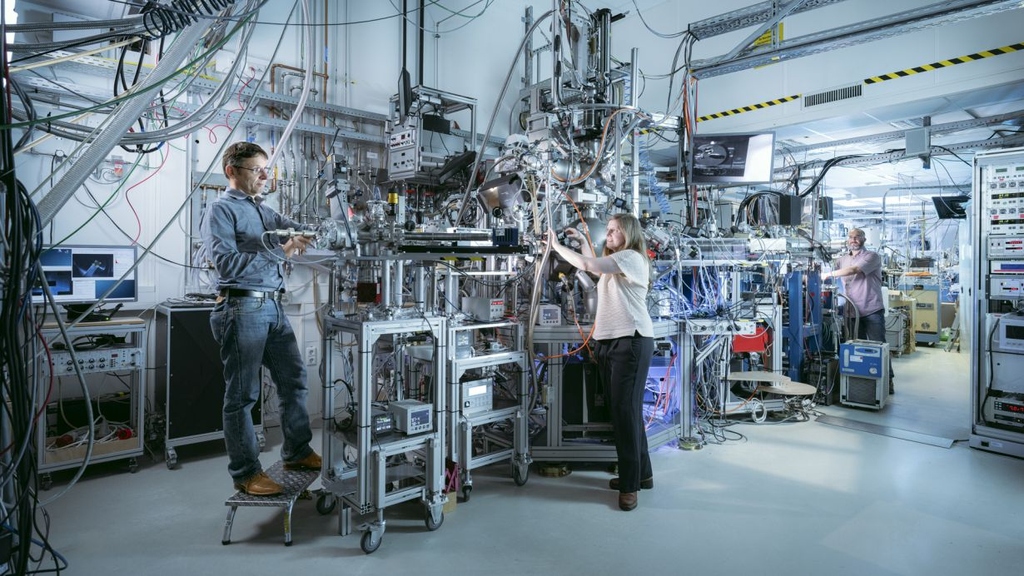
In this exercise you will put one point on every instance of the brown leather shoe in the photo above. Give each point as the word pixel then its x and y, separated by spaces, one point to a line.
pixel 310 462
pixel 259 484
pixel 627 501
pixel 645 484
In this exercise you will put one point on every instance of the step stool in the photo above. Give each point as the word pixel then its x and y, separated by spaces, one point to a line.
pixel 294 482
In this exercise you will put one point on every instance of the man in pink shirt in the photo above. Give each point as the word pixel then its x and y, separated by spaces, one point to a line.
pixel 861 271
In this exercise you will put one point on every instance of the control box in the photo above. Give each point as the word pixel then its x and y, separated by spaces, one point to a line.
pixel 483 309
pixel 412 416
pixel 863 358
pixel 477 395
pixel 549 315
pixel 1007 410
pixel 98 360
pixel 864 374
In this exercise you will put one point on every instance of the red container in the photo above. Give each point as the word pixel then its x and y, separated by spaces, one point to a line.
pixel 756 342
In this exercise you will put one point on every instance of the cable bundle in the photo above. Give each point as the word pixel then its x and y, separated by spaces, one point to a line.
pixel 163 20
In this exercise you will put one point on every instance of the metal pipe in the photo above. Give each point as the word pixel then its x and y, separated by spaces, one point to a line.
pixel 635 156
pixel 452 236
pixel 604 17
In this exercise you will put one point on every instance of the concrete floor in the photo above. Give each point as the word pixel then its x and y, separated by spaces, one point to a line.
pixel 792 498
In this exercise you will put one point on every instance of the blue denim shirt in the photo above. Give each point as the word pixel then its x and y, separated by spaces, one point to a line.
pixel 233 230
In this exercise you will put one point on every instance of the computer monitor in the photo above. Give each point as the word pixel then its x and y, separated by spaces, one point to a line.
pixel 405 95
pixel 732 158
pixel 951 207
pixel 79 274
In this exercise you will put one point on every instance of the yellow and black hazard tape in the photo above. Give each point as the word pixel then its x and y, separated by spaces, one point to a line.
pixel 876 79
pixel 945 63
pixel 750 108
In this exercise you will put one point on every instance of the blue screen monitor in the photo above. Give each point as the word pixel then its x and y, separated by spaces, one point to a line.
pixel 79 274
pixel 732 158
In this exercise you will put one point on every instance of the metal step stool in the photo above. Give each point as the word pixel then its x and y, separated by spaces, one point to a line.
pixel 294 482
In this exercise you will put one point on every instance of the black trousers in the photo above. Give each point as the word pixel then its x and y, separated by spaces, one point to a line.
pixel 623 364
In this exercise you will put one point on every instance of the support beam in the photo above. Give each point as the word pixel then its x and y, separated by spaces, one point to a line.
pixel 854 34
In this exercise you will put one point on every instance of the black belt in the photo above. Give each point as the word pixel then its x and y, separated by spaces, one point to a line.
pixel 239 293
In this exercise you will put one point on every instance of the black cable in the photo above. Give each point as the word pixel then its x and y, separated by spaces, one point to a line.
pixel 29 109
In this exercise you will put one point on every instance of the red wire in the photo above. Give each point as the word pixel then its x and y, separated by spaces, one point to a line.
pixel 133 186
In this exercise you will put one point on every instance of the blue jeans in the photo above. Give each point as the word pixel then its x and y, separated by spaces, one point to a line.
pixel 254 332
pixel 623 363
pixel 871 327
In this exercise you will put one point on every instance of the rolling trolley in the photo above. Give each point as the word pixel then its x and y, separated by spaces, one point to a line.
pixel 384 441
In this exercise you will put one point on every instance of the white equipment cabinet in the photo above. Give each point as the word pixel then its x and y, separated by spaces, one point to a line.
pixel 111 358
pixel 996 309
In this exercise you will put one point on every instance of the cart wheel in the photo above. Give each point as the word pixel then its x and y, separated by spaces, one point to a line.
pixel 368 543
pixel 466 491
pixel 261 440
pixel 133 465
pixel 171 458
pixel 429 520
pixel 46 481
pixel 325 503
pixel 520 474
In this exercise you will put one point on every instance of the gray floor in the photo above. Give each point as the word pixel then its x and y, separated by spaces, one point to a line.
pixel 795 498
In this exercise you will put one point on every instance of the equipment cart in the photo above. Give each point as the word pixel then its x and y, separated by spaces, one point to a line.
pixel 488 399
pixel 383 410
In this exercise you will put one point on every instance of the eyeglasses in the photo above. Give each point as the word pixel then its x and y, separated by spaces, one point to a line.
pixel 256 171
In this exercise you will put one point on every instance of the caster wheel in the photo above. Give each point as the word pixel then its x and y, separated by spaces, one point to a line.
pixel 520 474
pixel 171 459
pixel 368 543
pixel 133 465
pixel 46 482
pixel 325 504
pixel 466 491
pixel 429 521
pixel 261 440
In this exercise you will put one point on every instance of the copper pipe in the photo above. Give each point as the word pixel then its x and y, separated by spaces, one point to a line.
pixel 323 75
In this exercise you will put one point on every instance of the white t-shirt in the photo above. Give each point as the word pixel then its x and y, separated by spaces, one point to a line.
pixel 622 299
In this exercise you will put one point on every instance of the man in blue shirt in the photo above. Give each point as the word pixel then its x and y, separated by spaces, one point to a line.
pixel 249 322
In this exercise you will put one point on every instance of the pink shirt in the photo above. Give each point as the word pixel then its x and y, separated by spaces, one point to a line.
pixel 864 289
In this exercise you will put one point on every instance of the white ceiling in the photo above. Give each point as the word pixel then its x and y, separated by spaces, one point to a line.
pixel 861 188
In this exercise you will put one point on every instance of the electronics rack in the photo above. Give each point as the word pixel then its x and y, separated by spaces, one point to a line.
pixel 99 349
pixel 996 320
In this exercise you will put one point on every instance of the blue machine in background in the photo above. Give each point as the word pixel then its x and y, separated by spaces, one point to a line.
pixel 864 373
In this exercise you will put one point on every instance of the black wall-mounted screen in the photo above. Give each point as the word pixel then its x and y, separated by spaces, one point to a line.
pixel 732 158
pixel 405 95
pixel 948 207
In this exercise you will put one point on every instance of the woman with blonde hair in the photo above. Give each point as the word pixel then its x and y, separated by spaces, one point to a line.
pixel 623 338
